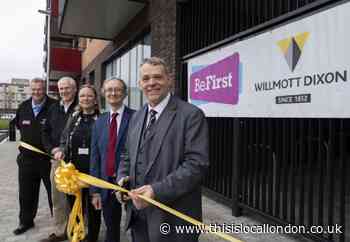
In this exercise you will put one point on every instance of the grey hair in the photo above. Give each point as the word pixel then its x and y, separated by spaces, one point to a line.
pixel 125 87
pixel 68 78
pixel 156 61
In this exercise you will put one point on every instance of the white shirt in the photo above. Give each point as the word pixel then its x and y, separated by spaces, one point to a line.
pixel 159 108
pixel 120 112
pixel 66 106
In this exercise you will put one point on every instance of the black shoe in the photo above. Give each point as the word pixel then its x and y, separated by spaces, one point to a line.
pixel 55 238
pixel 23 228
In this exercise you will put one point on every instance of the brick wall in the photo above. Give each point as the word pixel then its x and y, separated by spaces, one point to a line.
pixel 96 64
pixel 163 32
pixel 160 17
pixel 93 49
pixel 137 26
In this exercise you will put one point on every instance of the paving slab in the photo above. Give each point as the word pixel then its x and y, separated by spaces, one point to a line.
pixel 213 212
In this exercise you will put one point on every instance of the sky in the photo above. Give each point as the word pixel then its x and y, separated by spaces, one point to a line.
pixel 22 38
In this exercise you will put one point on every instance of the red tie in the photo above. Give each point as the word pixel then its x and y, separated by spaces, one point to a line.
pixel 112 141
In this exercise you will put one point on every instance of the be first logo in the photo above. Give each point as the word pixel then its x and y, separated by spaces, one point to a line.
pixel 217 82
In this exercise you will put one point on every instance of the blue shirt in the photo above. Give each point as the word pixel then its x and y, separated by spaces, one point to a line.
pixel 37 107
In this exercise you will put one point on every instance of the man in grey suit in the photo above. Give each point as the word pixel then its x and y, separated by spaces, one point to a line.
pixel 166 158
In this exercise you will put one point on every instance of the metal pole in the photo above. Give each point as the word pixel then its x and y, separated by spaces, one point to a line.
pixel 47 12
pixel 48 48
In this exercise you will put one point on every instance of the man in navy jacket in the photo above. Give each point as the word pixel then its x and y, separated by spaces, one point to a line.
pixel 107 144
pixel 32 167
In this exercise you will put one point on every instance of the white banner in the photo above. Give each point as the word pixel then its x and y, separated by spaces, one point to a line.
pixel 301 69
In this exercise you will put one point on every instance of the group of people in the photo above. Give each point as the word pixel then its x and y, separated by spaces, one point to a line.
pixel 159 151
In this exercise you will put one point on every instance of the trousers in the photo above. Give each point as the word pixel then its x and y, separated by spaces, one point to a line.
pixel 60 204
pixel 30 173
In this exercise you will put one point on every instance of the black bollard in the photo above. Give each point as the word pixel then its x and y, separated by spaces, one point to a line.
pixel 12 130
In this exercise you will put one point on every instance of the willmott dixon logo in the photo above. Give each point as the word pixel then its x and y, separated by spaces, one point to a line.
pixel 292 48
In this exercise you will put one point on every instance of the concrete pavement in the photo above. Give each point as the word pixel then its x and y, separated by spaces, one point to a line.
pixel 213 212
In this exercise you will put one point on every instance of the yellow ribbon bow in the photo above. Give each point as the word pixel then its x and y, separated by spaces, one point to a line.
pixel 69 180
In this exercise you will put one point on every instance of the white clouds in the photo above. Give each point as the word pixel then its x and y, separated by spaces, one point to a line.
pixel 22 37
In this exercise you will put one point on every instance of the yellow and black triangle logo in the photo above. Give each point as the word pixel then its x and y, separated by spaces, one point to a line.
pixel 292 48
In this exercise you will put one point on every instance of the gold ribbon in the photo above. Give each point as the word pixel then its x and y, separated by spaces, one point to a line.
pixel 71 181
pixel 67 181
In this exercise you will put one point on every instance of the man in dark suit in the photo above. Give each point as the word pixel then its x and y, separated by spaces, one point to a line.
pixel 57 117
pixel 166 158
pixel 32 167
pixel 107 144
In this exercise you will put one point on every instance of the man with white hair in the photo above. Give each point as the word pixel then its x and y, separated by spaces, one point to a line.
pixel 32 167
pixel 56 121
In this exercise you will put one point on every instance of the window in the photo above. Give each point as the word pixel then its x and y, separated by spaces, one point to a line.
pixel 125 71
pixel 92 77
pixel 135 100
pixel 127 67
pixel 109 71
pixel 116 68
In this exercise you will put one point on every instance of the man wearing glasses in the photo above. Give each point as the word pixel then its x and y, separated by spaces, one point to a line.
pixel 107 144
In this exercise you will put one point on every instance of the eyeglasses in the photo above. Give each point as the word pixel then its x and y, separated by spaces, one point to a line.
pixel 114 90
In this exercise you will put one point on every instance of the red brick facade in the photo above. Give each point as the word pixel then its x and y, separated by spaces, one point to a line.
pixel 158 17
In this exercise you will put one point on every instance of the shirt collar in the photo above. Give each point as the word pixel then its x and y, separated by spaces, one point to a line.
pixel 38 105
pixel 119 111
pixel 160 106
pixel 66 107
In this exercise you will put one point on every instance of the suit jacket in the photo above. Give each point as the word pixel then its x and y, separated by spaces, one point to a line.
pixel 99 144
pixel 179 161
